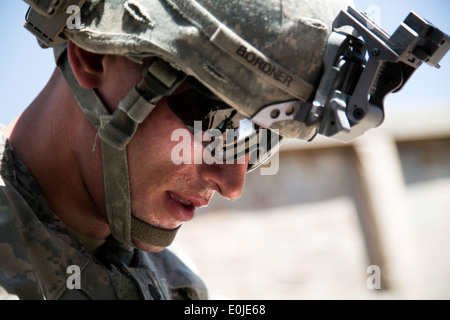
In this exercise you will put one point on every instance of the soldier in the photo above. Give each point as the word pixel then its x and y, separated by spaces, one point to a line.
pixel 89 183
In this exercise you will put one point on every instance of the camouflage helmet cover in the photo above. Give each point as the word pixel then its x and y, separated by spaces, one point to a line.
pixel 251 53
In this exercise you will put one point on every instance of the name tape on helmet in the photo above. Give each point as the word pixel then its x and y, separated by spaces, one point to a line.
pixel 256 61
pixel 264 66
pixel 242 51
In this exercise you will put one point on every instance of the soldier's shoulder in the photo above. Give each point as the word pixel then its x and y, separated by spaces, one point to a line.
pixel 178 272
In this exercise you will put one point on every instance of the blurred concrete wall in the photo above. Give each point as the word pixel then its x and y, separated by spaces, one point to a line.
pixel 313 230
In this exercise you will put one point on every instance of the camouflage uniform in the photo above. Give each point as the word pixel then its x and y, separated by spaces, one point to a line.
pixel 36 249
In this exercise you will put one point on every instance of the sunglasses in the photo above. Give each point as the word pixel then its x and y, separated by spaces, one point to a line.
pixel 228 135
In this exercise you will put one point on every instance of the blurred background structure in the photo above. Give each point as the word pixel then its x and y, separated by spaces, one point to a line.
pixel 333 210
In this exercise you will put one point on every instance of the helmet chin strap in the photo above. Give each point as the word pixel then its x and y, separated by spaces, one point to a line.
pixel 115 131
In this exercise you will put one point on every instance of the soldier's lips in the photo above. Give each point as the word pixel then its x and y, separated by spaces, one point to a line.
pixel 183 207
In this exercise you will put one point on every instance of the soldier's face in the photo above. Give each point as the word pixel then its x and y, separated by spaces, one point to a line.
pixel 163 193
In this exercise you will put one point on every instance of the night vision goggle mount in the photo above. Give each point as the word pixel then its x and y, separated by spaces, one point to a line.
pixel 362 68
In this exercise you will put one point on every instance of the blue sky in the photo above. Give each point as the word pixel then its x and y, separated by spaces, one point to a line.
pixel 26 68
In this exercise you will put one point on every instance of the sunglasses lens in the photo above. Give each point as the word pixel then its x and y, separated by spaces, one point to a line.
pixel 191 106
pixel 228 135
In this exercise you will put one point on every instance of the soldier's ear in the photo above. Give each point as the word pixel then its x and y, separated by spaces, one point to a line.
pixel 87 66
